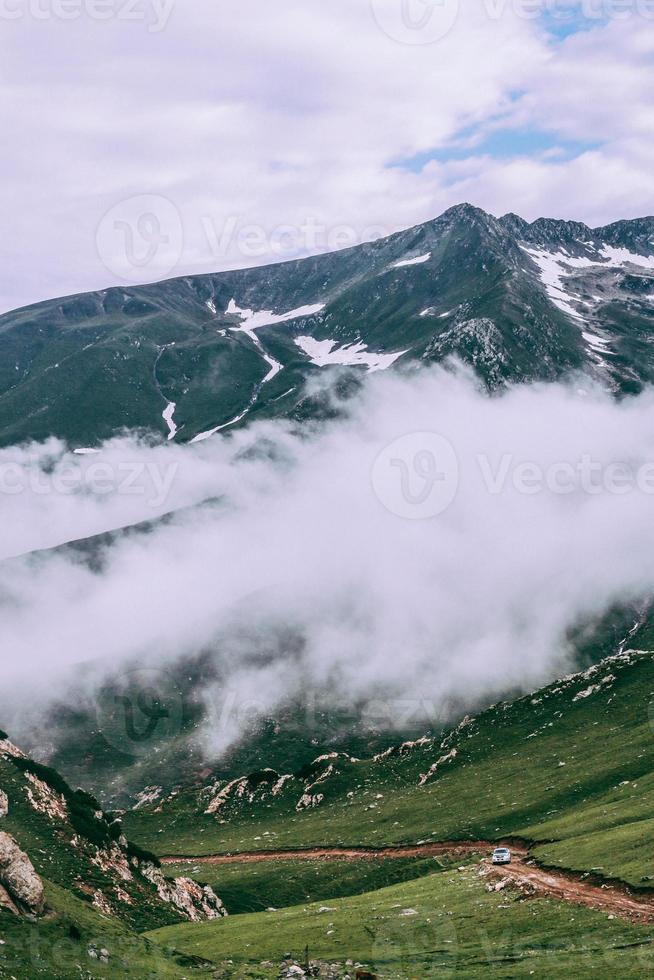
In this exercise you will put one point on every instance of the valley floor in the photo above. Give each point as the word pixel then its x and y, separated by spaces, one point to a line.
pixel 452 922
pixel 391 869
pixel 523 873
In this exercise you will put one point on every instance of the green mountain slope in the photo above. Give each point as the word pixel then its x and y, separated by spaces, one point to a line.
pixel 569 768
pixel 568 762
pixel 74 894
pixel 443 925
pixel 516 301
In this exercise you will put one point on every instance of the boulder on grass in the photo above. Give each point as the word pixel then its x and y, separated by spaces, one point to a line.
pixel 18 878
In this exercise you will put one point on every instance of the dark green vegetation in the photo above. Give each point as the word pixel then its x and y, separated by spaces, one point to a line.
pixel 83 748
pixel 87 749
pixel 84 811
pixel 279 884
pixel 63 830
pixel 88 366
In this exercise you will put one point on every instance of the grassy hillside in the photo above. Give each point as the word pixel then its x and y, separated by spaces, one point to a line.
pixel 100 890
pixel 444 925
pixel 569 769
pixel 246 887
pixel 572 761
pixel 70 941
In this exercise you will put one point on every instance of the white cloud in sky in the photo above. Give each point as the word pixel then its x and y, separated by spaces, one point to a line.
pixel 250 113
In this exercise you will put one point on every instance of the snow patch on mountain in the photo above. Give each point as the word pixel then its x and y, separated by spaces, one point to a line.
pixel 596 343
pixel 324 353
pixel 201 436
pixel 275 368
pixel 431 311
pixel 418 260
pixel 554 268
pixel 167 416
pixel 251 320
pixel 622 256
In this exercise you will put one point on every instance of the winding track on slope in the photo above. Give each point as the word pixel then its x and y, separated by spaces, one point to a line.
pixel 456 848
pixel 522 874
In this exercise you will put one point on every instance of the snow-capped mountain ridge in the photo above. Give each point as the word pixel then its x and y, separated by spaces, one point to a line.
pixel 515 300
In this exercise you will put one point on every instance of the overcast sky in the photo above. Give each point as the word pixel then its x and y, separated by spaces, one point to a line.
pixel 147 138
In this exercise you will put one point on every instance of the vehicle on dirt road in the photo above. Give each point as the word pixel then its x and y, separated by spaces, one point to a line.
pixel 501 855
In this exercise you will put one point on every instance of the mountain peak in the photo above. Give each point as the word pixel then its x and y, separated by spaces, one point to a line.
pixel 461 284
pixel 465 211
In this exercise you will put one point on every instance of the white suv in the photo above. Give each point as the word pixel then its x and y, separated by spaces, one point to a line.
pixel 501 855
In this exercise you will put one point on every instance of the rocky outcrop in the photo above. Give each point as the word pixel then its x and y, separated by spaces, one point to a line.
pixel 246 789
pixel 148 796
pixel 113 861
pixel 44 799
pixel 196 902
pixel 115 877
pixel 444 759
pixel 8 748
pixel 18 879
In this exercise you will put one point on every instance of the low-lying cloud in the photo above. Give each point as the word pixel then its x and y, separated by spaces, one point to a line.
pixel 323 560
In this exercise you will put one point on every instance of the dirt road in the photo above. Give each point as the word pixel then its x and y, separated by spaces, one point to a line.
pixel 455 848
pixel 531 880
pixel 522 874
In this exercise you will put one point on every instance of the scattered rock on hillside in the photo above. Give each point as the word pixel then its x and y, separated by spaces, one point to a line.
pixel 4 804
pixel 18 878
pixel 292 970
